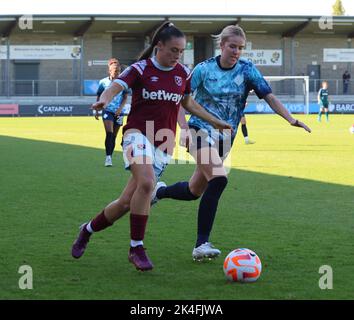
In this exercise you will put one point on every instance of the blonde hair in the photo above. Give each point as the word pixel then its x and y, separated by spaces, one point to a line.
pixel 229 31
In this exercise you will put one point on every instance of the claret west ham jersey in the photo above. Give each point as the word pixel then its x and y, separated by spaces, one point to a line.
pixel 157 94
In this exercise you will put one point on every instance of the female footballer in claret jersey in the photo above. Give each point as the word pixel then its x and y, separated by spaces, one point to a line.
pixel 159 86
pixel 222 85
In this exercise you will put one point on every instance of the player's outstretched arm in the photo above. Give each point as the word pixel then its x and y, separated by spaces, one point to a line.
pixel 124 101
pixel 195 108
pixel 181 119
pixel 96 112
pixel 185 135
pixel 278 108
pixel 107 96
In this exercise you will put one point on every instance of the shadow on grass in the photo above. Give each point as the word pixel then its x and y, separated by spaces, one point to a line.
pixel 49 189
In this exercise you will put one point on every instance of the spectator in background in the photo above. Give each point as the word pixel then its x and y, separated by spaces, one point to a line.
pixel 346 81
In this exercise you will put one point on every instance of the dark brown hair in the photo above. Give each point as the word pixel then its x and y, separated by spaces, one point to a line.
pixel 113 61
pixel 164 33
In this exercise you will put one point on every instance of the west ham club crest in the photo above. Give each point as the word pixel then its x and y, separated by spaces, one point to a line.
pixel 178 80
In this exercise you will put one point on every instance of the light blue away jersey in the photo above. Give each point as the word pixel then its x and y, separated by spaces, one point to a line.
pixel 223 92
pixel 116 101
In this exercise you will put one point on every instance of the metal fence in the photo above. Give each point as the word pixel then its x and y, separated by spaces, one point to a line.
pixel 335 86
pixel 35 88
pixel 293 87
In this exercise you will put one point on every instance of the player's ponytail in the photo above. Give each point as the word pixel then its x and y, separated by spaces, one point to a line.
pixel 164 33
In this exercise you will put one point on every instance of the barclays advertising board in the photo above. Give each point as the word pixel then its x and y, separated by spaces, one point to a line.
pixel 338 107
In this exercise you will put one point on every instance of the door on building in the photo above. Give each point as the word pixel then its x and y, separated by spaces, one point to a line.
pixel 199 50
pixel 314 73
pixel 26 78
pixel 127 49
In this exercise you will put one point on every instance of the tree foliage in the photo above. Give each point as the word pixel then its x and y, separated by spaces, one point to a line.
pixel 338 9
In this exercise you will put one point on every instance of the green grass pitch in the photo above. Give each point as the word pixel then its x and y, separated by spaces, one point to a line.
pixel 290 198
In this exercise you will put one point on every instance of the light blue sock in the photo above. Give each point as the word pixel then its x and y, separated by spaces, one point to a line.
pixel 319 116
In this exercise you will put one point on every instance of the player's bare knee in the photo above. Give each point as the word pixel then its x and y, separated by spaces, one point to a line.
pixel 197 191
pixel 125 206
pixel 146 185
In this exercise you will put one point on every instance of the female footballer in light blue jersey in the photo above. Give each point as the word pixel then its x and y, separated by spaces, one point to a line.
pixel 111 120
pixel 222 85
